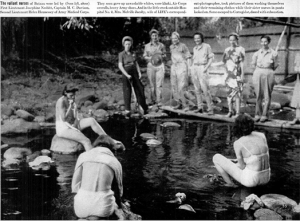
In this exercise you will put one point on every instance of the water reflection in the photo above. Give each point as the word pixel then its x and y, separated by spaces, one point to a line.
pixel 153 175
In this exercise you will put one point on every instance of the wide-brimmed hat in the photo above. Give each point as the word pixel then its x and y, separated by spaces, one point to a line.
pixel 153 31
pixel 156 60
pixel 71 87
pixel 176 33
pixel 234 34
pixel 127 38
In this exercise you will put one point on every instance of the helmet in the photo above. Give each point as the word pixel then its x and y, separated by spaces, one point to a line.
pixel 156 60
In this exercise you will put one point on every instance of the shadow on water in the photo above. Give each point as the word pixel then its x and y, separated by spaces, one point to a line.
pixel 153 175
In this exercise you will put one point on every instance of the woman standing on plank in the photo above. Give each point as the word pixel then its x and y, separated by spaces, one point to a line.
pixel 131 76
pixel 265 63
pixel 181 59
pixel 233 58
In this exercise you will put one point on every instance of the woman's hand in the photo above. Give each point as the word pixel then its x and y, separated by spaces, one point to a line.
pixel 128 76
pixel 140 75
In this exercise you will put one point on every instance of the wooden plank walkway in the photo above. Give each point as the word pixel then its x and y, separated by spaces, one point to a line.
pixel 218 117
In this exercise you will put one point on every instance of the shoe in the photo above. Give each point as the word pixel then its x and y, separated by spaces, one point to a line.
pixel 179 106
pixel 186 109
pixel 256 118
pixel 126 113
pixel 263 119
pixel 210 112
pixel 229 114
pixel 198 110
pixel 235 116
pixel 151 103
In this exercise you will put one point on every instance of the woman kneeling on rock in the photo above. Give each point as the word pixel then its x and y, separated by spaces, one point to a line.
pixel 68 124
pixel 251 149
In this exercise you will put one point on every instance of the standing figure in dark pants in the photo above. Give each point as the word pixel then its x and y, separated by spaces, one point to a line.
pixel 265 63
pixel 131 76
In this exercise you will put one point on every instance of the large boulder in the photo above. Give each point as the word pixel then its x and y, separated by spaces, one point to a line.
pixel 19 125
pixel 83 99
pixel 18 153
pixel 65 146
pixel 118 95
pixel 6 110
pixel 25 115
pixel 101 115
pixel 100 105
pixel 280 98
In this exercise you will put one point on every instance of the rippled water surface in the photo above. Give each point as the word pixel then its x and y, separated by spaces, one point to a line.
pixel 153 175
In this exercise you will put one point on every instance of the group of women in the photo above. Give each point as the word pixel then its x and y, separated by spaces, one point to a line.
pixel 95 176
pixel 185 65
pixel 251 168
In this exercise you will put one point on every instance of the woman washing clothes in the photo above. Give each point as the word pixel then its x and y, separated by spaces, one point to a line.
pixel 68 125
pixel 251 149
pixel 97 182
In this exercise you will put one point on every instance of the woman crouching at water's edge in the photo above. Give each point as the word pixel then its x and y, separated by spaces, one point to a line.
pixel 251 149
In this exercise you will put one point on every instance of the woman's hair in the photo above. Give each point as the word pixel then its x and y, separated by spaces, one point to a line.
pixel 127 38
pixel 176 34
pixel 243 125
pixel 105 141
pixel 235 35
pixel 201 36
pixel 266 37
pixel 71 87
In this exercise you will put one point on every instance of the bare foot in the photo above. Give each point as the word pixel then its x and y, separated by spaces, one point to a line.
pixel 232 185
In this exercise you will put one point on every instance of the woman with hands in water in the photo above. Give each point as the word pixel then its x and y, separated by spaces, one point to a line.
pixel 131 76
pixel 68 125
pixel 251 149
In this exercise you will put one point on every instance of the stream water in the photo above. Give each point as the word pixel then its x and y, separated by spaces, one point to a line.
pixel 153 175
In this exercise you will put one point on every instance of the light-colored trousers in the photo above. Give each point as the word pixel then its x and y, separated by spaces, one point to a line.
pixel 156 79
pixel 263 81
pixel 179 81
pixel 200 81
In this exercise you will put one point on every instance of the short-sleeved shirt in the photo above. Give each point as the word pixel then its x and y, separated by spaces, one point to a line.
pixel 127 59
pixel 179 53
pixel 265 59
pixel 152 48
pixel 202 53
pixel 232 58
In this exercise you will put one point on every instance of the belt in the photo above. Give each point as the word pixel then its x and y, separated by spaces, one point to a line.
pixel 182 62
pixel 199 64
pixel 264 67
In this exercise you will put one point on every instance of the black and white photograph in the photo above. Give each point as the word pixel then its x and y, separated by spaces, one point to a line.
pixel 150 118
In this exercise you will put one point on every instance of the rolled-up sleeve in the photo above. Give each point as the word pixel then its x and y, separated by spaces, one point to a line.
pixel 145 51
pixel 121 57
pixel 254 59
pixel 186 52
pixel 210 54
pixel 275 58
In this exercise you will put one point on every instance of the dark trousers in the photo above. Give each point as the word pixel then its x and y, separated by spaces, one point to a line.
pixel 138 88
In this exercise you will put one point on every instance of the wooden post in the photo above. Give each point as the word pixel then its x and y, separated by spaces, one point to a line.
pixel 287 46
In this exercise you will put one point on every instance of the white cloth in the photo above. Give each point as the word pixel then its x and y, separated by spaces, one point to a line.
pixel 98 155
pixel 90 203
